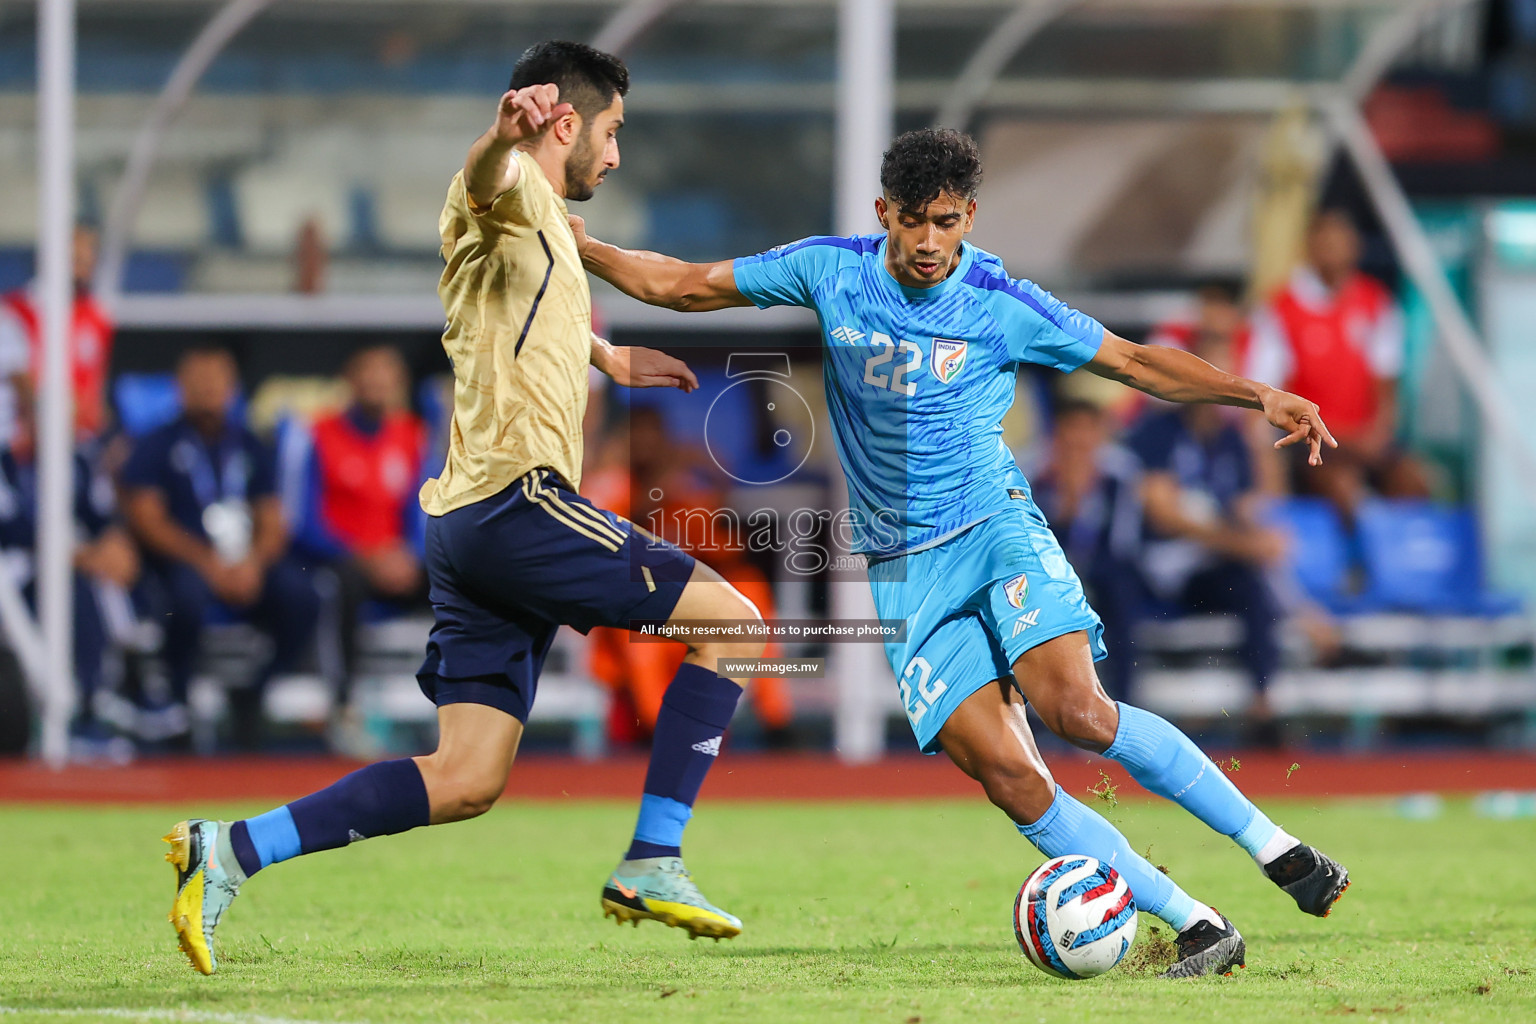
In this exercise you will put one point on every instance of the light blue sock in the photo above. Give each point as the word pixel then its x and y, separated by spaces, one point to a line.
pixel 1167 762
pixel 1070 827
pixel 660 824
pixel 273 836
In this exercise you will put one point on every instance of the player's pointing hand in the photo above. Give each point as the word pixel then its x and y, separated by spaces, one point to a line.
pixel 636 367
pixel 1300 420
pixel 524 113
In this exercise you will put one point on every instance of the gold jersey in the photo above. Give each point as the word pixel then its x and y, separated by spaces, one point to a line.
pixel 519 334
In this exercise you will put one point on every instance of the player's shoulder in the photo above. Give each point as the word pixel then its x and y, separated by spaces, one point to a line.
pixel 989 279
pixel 829 248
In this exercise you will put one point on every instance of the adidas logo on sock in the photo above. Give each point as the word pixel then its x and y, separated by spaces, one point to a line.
pixel 353 835
pixel 710 746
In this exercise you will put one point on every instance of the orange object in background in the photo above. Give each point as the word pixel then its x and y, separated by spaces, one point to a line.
pixel 643 473
pixel 640 671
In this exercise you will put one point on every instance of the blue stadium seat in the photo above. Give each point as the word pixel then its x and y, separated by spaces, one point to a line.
pixel 1427 558
pixel 15 268
pixel 145 401
pixel 148 271
pixel 1319 550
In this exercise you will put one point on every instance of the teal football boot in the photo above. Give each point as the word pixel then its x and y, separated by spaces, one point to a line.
pixel 205 887
pixel 660 889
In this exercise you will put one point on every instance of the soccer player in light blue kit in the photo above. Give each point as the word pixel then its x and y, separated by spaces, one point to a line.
pixel 923 336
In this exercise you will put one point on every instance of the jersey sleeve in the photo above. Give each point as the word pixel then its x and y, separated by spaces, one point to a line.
pixel 146 463
pixel 524 204
pixel 262 482
pixel 1042 329
pixel 788 274
pixel 15 355
pixel 1387 343
pixel 1269 354
pixel 95 502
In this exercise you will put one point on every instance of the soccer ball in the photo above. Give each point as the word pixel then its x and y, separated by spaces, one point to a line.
pixel 1074 918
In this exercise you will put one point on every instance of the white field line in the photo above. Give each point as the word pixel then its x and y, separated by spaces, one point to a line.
pixel 153 1013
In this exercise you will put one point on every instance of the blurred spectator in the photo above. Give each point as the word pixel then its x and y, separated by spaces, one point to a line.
pixel 105 561
pixel 363 520
pixel 1221 321
pixel 1206 549
pixel 90 352
pixel 1088 490
pixel 199 495
pixel 665 487
pixel 1218 313
pixel 1335 335
pixel 311 259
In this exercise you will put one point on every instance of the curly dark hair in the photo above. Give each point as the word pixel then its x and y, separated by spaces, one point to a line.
pixel 922 164
pixel 588 78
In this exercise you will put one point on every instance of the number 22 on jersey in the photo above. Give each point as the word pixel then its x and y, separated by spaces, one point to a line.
pixel 902 357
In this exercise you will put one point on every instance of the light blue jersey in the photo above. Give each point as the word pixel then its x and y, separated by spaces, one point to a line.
pixel 918 381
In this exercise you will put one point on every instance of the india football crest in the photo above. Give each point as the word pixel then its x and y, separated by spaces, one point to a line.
pixel 946 359
pixel 1017 590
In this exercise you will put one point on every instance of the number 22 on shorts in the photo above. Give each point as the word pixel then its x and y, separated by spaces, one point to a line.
pixel 929 689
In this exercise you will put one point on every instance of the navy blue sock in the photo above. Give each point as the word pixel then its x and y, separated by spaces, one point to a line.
pixel 694 713
pixel 378 800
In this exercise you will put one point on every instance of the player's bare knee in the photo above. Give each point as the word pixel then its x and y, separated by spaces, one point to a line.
pixel 1018 786
pixel 456 791
pixel 741 617
pixel 467 797
pixel 1086 720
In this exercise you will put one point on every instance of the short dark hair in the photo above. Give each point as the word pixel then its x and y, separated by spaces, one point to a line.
pixel 588 78
pixel 206 350
pixel 922 164
pixel 1065 406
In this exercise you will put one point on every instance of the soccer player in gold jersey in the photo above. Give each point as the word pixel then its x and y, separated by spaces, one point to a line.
pixel 512 550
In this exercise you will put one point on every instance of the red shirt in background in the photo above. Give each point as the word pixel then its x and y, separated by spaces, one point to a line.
pixel 91 354
pixel 367 478
pixel 1331 347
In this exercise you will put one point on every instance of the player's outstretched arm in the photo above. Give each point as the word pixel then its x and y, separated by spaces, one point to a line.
pixel 660 280
pixel 636 367
pixel 521 114
pixel 1178 376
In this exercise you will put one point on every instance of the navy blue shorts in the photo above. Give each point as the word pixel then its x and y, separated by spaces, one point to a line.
pixel 508 571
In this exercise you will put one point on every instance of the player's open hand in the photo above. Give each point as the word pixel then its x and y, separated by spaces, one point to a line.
pixel 644 368
pixel 525 113
pixel 1300 420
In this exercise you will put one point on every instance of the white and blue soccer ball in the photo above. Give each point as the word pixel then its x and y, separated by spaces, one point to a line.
pixel 1074 917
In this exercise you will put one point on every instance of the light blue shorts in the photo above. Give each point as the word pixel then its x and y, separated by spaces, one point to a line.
pixel 972 605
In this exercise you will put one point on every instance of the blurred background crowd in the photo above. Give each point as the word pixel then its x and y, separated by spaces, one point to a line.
pixel 259 392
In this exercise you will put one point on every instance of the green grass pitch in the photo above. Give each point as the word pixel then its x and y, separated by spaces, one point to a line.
pixel 861 912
